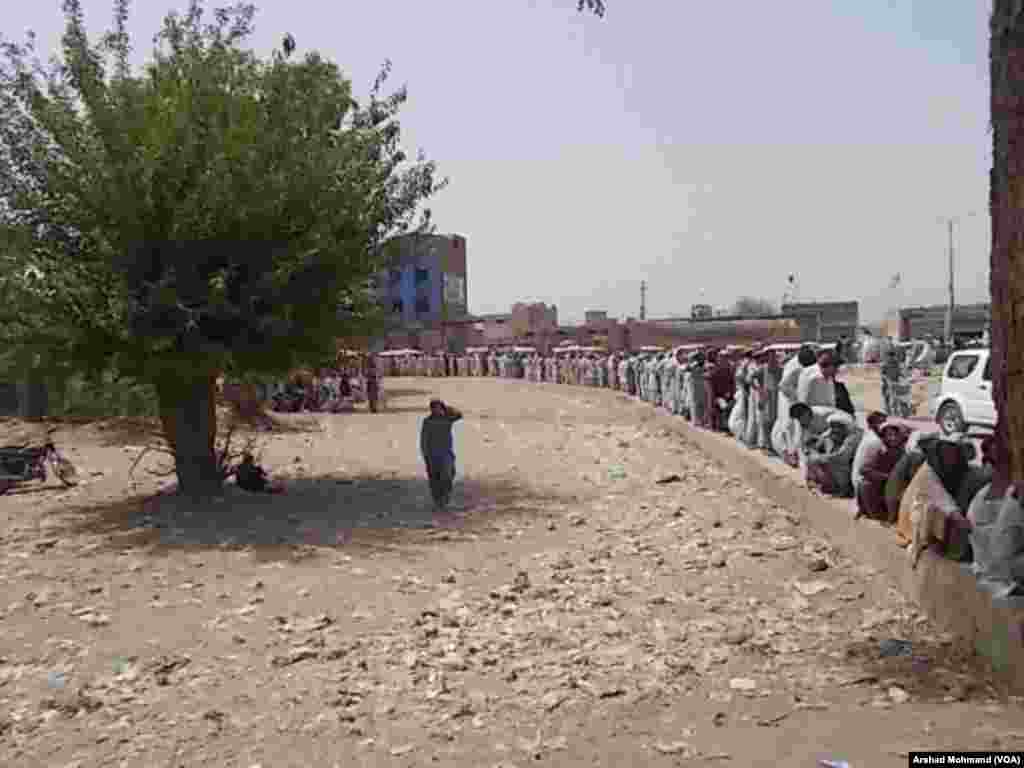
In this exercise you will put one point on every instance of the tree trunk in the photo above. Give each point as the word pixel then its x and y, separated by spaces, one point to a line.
pixel 188 413
pixel 1006 203
pixel 33 397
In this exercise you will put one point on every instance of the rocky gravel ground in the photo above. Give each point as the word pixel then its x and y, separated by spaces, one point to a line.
pixel 602 595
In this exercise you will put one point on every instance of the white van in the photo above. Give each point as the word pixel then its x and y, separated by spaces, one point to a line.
pixel 965 393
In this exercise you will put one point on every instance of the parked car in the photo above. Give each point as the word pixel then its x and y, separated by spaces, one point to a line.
pixel 965 392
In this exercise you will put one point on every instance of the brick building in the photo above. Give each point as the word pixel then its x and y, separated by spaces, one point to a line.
pixel 825 321
pixel 536 317
pixel 969 321
pixel 425 281
pixel 743 332
pixel 497 329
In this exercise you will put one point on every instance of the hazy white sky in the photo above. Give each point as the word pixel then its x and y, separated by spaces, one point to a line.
pixel 709 148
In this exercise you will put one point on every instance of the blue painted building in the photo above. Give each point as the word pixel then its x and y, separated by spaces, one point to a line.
pixel 425 282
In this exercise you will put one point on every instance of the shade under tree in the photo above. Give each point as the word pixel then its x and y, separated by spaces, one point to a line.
pixel 207 213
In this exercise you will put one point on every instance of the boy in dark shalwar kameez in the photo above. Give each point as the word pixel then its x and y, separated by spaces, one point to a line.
pixel 438 450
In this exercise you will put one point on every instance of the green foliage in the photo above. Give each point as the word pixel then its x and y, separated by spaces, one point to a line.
pixel 103 399
pixel 213 211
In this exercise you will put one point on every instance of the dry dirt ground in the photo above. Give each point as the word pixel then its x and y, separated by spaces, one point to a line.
pixel 573 611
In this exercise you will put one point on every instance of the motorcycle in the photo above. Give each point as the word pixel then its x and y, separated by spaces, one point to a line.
pixel 24 463
pixel 288 401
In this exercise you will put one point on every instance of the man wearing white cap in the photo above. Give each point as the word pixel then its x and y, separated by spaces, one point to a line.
pixel 809 427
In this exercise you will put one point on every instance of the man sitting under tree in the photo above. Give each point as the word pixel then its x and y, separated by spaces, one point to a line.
pixel 251 477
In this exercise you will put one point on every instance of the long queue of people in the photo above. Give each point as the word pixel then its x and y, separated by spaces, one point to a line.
pixel 930 488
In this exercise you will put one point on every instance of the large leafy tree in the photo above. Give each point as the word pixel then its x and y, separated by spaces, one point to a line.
pixel 212 211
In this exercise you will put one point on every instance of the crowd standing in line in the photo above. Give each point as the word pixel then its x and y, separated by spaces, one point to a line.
pixel 928 487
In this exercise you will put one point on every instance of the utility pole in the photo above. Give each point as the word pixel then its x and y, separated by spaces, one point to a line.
pixel 643 299
pixel 952 295
pixel 950 222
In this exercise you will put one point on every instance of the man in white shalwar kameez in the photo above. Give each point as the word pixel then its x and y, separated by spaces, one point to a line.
pixel 659 379
pixel 652 380
pixel 668 379
pixel 785 432
pixel 666 374
pixel 679 364
pixel 673 374
pixel 738 415
pixel 754 377
pixel 817 385
pixel 696 389
pixel 624 364
pixel 652 373
pixel 684 387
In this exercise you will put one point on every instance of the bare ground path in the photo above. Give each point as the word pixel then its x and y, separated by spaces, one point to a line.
pixel 573 612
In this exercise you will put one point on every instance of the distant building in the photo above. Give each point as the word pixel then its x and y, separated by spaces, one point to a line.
pixel 595 316
pixel 825 321
pixel 534 318
pixel 495 328
pixel 970 321
pixel 716 332
pixel 425 281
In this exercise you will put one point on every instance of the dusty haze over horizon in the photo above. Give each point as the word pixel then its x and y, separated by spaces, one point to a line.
pixel 708 153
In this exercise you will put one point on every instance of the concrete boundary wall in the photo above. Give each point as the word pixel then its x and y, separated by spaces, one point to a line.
pixel 947 591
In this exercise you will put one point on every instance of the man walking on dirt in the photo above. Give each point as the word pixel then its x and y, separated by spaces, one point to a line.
pixel 437 447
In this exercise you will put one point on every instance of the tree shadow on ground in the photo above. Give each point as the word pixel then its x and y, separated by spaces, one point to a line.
pixel 405 392
pixel 113 431
pixel 390 408
pixel 15 431
pixel 126 431
pixel 316 512
pixel 30 489
pixel 117 433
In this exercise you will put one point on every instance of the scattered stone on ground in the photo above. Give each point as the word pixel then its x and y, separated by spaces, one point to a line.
pixel 547 620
